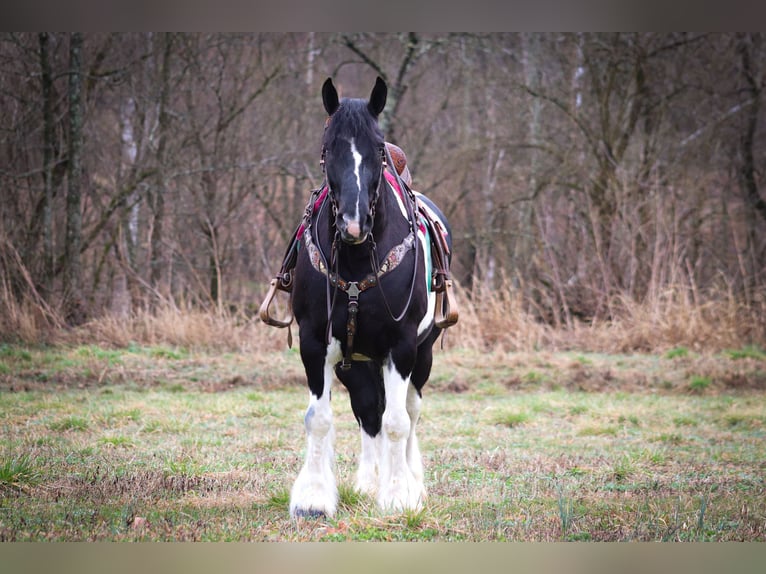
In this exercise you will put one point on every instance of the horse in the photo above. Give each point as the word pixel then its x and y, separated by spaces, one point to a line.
pixel 363 298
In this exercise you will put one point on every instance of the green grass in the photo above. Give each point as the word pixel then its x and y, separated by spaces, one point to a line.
pixel 698 384
pixel 590 448
pixel 17 472
pixel 110 356
pixel 737 421
pixel 16 353
pixel 511 420
pixel 677 353
pixel 623 468
pixel 117 441
pixel 185 465
pixel 73 423
pixel 160 352
pixel 749 352
pixel 684 421
pixel 598 431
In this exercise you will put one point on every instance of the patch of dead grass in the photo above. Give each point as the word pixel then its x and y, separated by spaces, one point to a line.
pixel 187 328
pixel 501 319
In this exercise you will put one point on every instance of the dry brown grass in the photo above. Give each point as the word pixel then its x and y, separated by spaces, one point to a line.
pixel 499 319
pixel 496 319
pixel 187 328
pixel 22 320
pixel 675 318
pixel 24 313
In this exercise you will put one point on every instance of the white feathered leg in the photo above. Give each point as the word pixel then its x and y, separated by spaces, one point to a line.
pixel 414 458
pixel 399 488
pixel 315 492
pixel 367 474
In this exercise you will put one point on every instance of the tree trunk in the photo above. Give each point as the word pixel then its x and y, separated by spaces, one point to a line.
pixel 158 259
pixel 532 60
pixel 46 79
pixel 747 171
pixel 74 306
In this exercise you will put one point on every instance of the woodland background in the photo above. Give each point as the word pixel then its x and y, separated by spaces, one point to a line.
pixel 607 184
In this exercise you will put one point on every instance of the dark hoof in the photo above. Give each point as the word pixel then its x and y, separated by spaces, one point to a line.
pixel 309 513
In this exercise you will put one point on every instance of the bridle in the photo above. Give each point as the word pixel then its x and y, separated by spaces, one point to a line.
pixel 329 267
pixel 376 194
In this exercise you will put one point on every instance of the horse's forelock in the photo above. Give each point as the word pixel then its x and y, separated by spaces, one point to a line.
pixel 353 119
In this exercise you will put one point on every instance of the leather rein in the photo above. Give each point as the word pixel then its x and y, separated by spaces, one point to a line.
pixel 354 289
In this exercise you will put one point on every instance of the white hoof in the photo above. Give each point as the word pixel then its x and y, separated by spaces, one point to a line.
pixel 402 495
pixel 313 498
pixel 367 483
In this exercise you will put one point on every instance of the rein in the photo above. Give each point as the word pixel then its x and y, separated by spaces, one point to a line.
pixel 355 288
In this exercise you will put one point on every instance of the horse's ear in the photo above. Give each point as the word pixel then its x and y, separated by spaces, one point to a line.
pixel 378 97
pixel 329 97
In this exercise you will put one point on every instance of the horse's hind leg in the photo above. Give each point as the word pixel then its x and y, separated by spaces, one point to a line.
pixel 420 375
pixel 414 458
pixel 400 488
pixel 315 492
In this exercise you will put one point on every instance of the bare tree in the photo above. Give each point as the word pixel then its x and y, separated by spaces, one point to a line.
pixel 73 239
pixel 587 168
pixel 158 262
pixel 46 81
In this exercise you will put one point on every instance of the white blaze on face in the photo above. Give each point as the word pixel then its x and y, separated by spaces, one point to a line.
pixel 354 228
pixel 357 164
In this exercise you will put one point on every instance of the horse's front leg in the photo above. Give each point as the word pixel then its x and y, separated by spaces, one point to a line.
pixel 400 488
pixel 315 492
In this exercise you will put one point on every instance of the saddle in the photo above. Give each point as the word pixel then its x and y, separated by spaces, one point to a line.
pixel 400 163
pixel 446 313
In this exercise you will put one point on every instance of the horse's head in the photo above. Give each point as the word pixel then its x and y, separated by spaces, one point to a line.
pixel 353 151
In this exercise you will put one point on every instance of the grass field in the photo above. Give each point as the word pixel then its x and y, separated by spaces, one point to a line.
pixel 164 443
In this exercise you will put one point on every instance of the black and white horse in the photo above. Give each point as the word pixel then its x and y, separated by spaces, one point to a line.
pixel 364 305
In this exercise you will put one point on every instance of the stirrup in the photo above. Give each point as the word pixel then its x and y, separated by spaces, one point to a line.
pixel 264 312
pixel 446 313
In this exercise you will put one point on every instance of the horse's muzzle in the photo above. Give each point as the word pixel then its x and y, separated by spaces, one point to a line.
pixel 352 239
pixel 351 231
